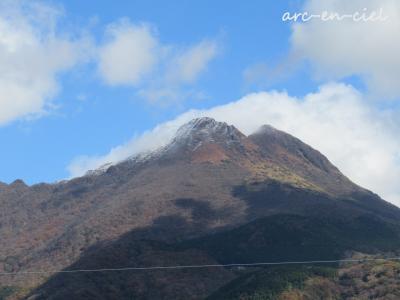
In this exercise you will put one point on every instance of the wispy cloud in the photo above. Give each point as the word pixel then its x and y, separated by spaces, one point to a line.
pixel 187 64
pixel 161 73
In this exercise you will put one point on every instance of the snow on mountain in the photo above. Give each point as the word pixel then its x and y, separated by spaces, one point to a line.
pixel 190 136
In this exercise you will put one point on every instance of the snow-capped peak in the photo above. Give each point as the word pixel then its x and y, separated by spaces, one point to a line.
pixel 189 136
pixel 206 129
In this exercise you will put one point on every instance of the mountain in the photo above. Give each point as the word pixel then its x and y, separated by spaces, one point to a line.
pixel 212 195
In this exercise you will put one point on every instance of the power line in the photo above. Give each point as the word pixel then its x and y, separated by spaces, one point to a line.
pixel 203 266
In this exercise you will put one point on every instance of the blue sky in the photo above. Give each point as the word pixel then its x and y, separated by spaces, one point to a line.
pixel 85 105
pixel 39 149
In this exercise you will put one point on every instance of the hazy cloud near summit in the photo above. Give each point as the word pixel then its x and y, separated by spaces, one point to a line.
pixel 360 140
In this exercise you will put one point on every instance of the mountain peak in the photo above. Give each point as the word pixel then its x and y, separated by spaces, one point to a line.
pixel 268 152
pixel 202 122
pixel 203 125
pixel 18 183
pixel 267 129
pixel 206 130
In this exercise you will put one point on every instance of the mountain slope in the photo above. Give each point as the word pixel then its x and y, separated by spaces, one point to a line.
pixel 211 180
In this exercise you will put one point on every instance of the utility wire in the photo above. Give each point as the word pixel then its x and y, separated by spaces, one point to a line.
pixel 204 266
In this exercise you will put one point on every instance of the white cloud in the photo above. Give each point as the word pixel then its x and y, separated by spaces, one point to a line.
pixel 362 142
pixel 32 54
pixel 129 54
pixel 134 56
pixel 338 49
pixel 178 72
pixel 188 64
pixel 34 51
